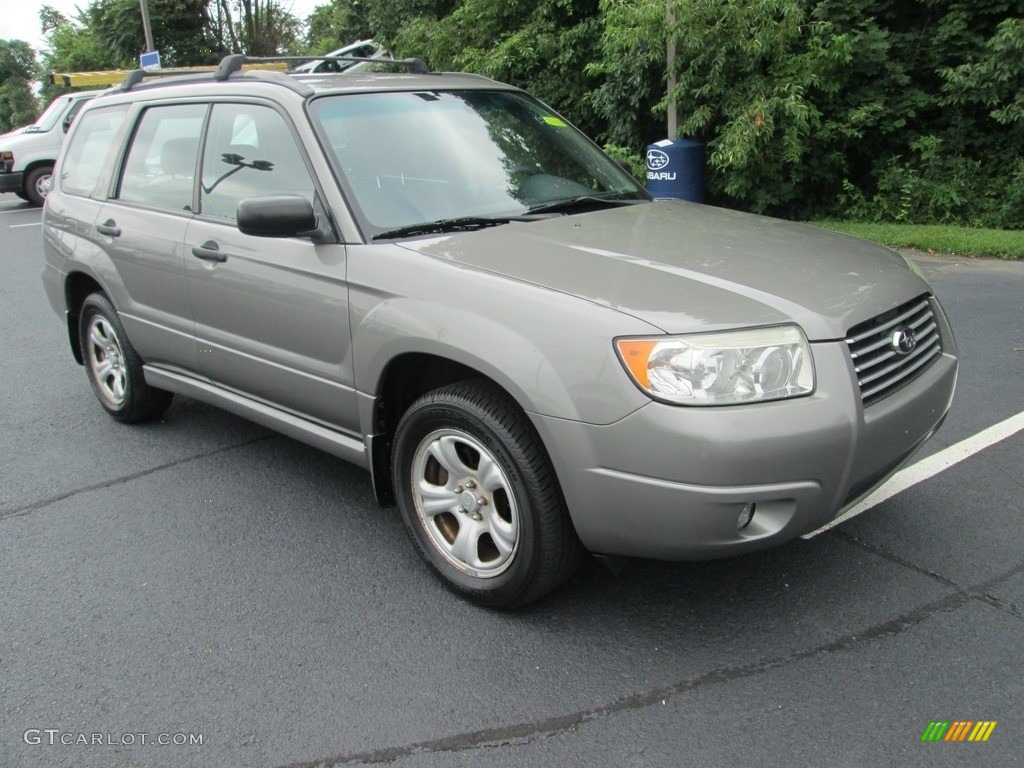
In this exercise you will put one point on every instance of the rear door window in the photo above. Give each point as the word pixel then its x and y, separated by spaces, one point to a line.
pixel 160 168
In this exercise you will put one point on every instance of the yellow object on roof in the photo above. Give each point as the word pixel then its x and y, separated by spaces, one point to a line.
pixel 116 76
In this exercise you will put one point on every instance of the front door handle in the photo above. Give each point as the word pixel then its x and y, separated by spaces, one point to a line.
pixel 209 251
pixel 109 227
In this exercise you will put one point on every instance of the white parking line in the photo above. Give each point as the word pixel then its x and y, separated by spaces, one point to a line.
pixel 33 224
pixel 931 466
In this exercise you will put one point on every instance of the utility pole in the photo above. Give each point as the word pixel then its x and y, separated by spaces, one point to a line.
pixel 146 27
pixel 670 64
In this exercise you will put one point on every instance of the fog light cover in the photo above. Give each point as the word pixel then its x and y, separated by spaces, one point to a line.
pixel 746 515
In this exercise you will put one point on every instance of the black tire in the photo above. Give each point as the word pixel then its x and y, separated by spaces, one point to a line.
pixel 23 196
pixel 34 181
pixel 480 498
pixel 113 366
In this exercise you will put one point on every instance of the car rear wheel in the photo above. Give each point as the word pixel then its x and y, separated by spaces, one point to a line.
pixel 113 366
pixel 480 498
pixel 37 184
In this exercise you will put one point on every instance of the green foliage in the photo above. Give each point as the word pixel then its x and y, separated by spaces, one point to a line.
pixel 630 72
pixel 901 110
pixel 388 17
pixel 265 28
pixel 994 79
pixel 750 89
pixel 108 34
pixel 542 45
pixel 337 24
pixel 883 109
pixel 17 69
pixel 180 30
pixel 632 161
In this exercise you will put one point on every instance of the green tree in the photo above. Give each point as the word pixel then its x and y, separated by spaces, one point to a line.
pixel 181 30
pixel 542 45
pixel 336 24
pixel 17 70
pixel 388 17
pixel 928 108
pixel 749 77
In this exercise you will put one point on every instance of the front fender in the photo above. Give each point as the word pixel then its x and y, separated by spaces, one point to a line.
pixel 505 355
pixel 550 351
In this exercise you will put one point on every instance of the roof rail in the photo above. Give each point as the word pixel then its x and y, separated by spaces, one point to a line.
pixel 125 80
pixel 130 79
pixel 234 62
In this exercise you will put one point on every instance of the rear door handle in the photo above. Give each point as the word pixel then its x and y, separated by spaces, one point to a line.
pixel 209 251
pixel 109 227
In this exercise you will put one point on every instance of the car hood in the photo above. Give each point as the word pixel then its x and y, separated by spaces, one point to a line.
pixel 21 137
pixel 686 268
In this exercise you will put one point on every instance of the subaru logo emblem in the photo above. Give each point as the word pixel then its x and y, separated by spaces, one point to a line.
pixel 656 159
pixel 903 340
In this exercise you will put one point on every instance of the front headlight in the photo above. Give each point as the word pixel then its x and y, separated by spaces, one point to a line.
pixel 6 161
pixel 721 368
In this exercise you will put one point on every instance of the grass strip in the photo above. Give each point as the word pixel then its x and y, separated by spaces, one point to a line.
pixel 937 238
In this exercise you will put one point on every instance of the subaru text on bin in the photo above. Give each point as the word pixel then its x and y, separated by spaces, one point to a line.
pixel 438 278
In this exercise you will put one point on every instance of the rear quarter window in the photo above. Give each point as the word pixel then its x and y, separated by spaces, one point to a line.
pixel 91 149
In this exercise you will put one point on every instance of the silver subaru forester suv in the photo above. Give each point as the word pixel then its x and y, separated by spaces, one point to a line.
pixel 438 278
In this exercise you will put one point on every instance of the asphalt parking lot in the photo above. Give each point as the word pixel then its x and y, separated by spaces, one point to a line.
pixel 203 592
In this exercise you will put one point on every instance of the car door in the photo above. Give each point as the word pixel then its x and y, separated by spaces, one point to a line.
pixel 142 229
pixel 271 314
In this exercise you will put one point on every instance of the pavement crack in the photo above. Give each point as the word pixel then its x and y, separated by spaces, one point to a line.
pixel 556 725
pixel 41 503
pixel 978 592
pixel 887 555
pixel 1011 608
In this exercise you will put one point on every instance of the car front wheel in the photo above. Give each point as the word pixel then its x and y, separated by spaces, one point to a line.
pixel 113 366
pixel 480 498
pixel 37 184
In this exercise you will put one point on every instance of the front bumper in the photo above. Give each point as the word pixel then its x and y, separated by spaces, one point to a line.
pixel 12 182
pixel 670 483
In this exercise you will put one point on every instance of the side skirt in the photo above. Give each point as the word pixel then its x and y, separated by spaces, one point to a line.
pixel 344 446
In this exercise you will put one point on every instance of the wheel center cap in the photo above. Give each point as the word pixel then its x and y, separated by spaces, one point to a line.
pixel 469 503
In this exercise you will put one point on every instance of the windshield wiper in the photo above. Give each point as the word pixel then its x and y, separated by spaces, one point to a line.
pixel 583 203
pixel 461 224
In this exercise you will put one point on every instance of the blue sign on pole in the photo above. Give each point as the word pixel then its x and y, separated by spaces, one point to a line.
pixel 150 60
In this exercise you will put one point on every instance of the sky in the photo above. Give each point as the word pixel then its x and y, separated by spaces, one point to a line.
pixel 19 19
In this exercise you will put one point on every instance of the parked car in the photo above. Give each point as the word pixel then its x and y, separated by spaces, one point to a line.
pixel 362 49
pixel 438 278
pixel 27 155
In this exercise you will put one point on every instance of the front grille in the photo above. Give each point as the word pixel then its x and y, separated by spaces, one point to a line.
pixel 881 369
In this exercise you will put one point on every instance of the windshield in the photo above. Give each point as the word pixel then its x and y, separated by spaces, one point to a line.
pixel 416 157
pixel 52 114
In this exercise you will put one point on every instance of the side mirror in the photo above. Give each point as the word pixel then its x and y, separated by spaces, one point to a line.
pixel 277 216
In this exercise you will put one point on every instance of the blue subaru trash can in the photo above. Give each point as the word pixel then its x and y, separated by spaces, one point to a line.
pixel 675 169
